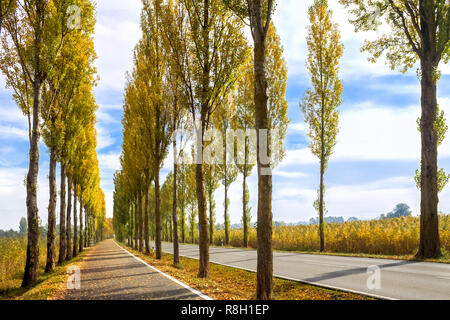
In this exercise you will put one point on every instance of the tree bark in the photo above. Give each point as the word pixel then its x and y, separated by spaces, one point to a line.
pixel 203 271
pixel 141 224
pixel 429 220
pixel 264 228
pixel 75 221
pixel 62 217
pixel 89 219
pixel 211 217
pixel 157 213
pixel 80 247
pixel 51 233
pixel 203 224
pixel 130 231
pixel 68 219
pixel 86 240
pixel 321 192
pixel 136 227
pixel 146 226
pixel 322 169
pixel 32 260
pixel 244 210
pixel 226 216
pixel 183 224
pixel 176 253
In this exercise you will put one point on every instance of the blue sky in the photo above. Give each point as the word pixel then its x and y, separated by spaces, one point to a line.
pixel 375 158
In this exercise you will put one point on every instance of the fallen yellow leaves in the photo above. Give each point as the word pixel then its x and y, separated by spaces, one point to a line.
pixel 226 283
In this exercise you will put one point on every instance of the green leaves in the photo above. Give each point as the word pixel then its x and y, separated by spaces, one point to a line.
pixel 441 128
pixel 319 103
pixel 404 43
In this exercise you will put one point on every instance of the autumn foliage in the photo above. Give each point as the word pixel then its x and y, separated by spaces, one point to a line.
pixel 399 236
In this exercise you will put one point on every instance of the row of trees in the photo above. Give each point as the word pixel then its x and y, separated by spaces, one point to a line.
pixel 47 56
pixel 419 32
pixel 193 70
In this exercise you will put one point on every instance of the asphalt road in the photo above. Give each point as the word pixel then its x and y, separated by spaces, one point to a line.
pixel 398 279
pixel 111 273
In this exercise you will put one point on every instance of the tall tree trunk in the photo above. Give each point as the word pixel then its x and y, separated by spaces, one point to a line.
pixel 264 229
pixel 183 225
pixel 32 260
pixel 429 220
pixel 244 210
pixel 322 168
pixel 75 221
pixel 80 247
pixel 176 253
pixel 321 192
pixel 192 226
pixel 157 213
pixel 141 224
pixel 51 232
pixel 62 217
pixel 211 217
pixel 146 230
pixel 90 228
pixel 170 229
pixel 86 240
pixel 203 225
pixel 136 227
pixel 226 216
pixel 203 271
pixel 68 219
pixel 130 231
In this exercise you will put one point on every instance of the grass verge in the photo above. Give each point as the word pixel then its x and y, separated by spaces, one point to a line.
pixel 226 283
pixel 49 286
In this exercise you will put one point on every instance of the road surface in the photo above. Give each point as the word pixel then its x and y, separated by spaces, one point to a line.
pixel 111 273
pixel 399 279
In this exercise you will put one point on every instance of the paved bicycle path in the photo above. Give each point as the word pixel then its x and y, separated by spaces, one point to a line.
pixel 109 272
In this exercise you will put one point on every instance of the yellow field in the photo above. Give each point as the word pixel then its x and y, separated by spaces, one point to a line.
pixel 398 236
pixel 12 261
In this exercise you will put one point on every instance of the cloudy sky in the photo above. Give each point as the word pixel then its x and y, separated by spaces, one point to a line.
pixel 376 155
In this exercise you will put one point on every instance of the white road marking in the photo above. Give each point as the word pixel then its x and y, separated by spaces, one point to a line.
pixel 317 284
pixel 201 295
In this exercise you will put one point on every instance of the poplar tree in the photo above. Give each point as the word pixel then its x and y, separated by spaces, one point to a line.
pixel 244 119
pixel 320 103
pixel 36 30
pixel 419 33
pixel 212 178
pixel 228 171
pixel 73 66
pixel 213 47
pixel 259 13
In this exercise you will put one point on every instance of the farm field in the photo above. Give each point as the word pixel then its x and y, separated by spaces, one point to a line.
pixel 390 237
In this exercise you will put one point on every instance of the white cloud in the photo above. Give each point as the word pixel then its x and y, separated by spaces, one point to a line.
pixel 11 113
pixel 288 174
pixel 370 132
pixel 117 32
pixel 366 201
pixel 105 117
pixel 104 138
pixel 109 161
pixel 299 127
pixel 291 19
pixel 12 133
pixel 13 195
